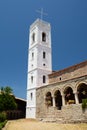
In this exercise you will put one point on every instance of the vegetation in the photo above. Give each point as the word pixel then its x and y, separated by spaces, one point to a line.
pixel 7 100
pixel 84 104
pixel 2 124
pixel 2 119
pixel 2 116
pixel 7 103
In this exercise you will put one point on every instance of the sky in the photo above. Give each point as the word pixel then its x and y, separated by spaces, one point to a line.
pixel 68 19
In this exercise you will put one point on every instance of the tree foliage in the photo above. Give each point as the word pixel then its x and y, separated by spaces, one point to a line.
pixel 6 90
pixel 7 99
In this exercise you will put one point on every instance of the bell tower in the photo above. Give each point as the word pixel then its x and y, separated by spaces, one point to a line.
pixel 39 62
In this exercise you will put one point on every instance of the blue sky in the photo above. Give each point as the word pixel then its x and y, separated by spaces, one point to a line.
pixel 68 20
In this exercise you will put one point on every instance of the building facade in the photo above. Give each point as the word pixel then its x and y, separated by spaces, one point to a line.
pixel 53 96
pixel 61 99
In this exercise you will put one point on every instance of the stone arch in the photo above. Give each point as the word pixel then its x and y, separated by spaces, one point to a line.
pixel 82 91
pixel 48 99
pixel 54 90
pixel 78 83
pixel 69 95
pixel 46 91
pixel 66 86
pixel 58 99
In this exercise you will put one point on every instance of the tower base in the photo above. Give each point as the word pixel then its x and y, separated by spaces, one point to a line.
pixel 31 112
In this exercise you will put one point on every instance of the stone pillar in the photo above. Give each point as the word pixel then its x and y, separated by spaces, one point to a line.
pixel 76 98
pixel 53 101
pixel 63 99
pixel 44 99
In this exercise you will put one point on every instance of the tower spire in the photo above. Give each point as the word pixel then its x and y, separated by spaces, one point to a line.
pixel 41 12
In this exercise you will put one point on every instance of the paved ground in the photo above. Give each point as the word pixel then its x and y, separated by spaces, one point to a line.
pixel 26 124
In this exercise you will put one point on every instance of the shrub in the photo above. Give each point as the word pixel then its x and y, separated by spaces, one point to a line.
pixel 84 104
pixel 2 116
pixel 2 124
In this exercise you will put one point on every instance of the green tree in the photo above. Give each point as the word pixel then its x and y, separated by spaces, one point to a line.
pixel 7 99
pixel 6 90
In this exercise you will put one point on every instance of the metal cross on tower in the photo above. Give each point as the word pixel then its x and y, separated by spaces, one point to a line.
pixel 41 13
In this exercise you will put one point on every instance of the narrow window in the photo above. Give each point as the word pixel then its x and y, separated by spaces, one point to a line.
pixel 44 79
pixel 44 55
pixel 31 95
pixel 32 55
pixel 44 37
pixel 33 37
pixel 31 79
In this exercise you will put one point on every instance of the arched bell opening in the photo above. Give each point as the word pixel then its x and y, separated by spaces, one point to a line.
pixel 44 37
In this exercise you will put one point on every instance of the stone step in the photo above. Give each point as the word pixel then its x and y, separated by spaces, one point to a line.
pixel 58 120
pixel 49 120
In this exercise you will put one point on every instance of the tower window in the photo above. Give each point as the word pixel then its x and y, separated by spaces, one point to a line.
pixel 31 79
pixel 32 55
pixel 31 65
pixel 44 79
pixel 44 65
pixel 31 95
pixel 44 37
pixel 44 55
pixel 33 37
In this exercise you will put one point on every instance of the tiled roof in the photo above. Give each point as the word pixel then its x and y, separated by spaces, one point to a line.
pixel 69 69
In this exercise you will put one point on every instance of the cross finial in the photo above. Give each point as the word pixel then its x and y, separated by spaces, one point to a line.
pixel 41 13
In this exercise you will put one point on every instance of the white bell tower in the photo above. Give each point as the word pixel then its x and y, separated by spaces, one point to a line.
pixel 39 62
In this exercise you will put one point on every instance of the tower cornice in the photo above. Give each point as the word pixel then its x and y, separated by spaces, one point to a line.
pixel 38 22
pixel 39 45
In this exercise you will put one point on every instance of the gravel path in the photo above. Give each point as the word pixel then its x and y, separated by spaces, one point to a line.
pixel 26 124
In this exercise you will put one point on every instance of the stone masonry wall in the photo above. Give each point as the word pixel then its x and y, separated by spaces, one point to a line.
pixel 68 113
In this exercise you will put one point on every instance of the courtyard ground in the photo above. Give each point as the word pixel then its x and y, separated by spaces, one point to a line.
pixel 26 124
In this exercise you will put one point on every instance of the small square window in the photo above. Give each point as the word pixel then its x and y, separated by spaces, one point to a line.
pixel 44 65
pixel 32 65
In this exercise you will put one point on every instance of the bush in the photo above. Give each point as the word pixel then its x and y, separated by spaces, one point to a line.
pixel 2 124
pixel 84 104
pixel 2 117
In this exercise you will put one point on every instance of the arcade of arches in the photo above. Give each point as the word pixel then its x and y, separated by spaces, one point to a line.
pixel 59 98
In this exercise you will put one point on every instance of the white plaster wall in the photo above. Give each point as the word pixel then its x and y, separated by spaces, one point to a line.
pixel 32 64
pixel 31 102
pixel 31 85
pixel 35 65
pixel 47 60
pixel 40 77
pixel 31 112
